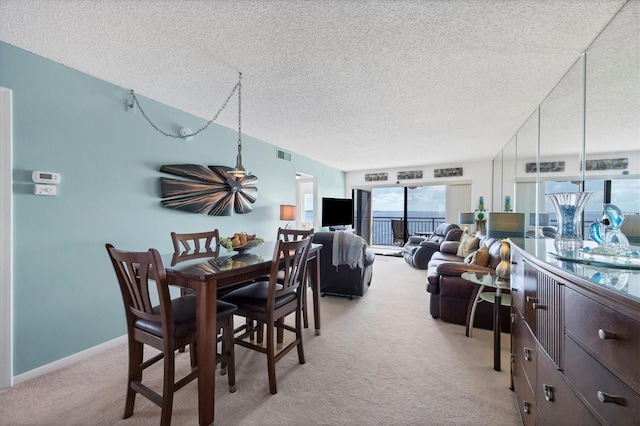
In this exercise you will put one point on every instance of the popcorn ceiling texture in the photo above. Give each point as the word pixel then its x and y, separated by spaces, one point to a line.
pixel 354 84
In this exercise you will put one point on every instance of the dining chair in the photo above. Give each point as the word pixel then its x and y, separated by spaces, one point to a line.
pixel 270 302
pixel 196 244
pixel 202 243
pixel 397 228
pixel 288 234
pixel 168 326
pixel 196 241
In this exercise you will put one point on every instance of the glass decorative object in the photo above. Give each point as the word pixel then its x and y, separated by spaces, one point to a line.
pixel 568 207
pixel 503 270
pixel 481 213
pixel 507 204
pixel 609 237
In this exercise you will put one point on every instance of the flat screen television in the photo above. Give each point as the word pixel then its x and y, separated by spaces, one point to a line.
pixel 337 211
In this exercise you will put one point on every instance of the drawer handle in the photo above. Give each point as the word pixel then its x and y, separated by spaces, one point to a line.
pixel 531 299
pixel 526 407
pixel 539 306
pixel 527 354
pixel 604 335
pixel 513 318
pixel 605 397
pixel 548 392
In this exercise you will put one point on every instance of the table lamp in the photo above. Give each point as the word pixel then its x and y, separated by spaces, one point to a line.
pixel 466 218
pixel 287 212
pixel 543 219
pixel 505 225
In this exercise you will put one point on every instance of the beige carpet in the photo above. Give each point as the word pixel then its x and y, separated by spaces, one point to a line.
pixel 381 360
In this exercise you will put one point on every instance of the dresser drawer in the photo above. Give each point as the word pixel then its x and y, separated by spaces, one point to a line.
pixel 588 323
pixel 523 347
pixel 526 398
pixel 556 401
pixel 590 378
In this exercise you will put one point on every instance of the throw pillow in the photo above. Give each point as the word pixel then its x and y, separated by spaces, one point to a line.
pixel 468 245
pixel 481 257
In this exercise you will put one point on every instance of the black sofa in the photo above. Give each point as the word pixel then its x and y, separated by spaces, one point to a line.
pixel 342 280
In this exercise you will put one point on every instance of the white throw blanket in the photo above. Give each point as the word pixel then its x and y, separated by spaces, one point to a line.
pixel 347 249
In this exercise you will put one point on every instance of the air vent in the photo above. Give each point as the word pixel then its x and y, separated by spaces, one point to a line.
pixel 284 155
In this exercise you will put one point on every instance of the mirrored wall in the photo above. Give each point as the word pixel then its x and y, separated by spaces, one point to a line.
pixel 584 136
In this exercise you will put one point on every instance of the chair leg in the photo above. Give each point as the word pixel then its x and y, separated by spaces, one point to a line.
pixel 135 374
pixel 301 359
pixel 228 354
pixel 249 325
pixel 168 387
pixel 271 359
pixel 279 333
pixel 304 303
pixel 193 353
pixel 260 332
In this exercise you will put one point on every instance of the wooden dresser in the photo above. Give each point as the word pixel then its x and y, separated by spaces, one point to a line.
pixel 575 339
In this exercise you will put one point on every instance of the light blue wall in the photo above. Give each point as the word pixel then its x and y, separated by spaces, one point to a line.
pixel 66 298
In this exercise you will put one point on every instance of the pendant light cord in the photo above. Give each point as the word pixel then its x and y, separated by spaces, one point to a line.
pixel 134 98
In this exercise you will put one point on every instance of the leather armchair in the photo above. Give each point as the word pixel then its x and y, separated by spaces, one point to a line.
pixel 418 250
pixel 342 280
pixel 451 294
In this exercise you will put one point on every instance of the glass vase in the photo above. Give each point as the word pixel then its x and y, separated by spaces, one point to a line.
pixel 568 207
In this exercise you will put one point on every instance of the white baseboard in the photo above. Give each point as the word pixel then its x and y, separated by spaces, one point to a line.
pixel 63 362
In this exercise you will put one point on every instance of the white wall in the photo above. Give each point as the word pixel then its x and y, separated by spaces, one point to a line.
pixel 478 174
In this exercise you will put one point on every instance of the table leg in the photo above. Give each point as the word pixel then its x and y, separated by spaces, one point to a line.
pixel 471 309
pixel 315 288
pixel 496 330
pixel 206 342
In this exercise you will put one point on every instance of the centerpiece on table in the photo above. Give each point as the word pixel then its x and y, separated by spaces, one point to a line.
pixel 241 241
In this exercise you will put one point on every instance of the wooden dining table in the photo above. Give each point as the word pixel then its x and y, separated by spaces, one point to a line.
pixel 206 272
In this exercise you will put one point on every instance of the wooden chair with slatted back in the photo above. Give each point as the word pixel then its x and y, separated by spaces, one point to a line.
pixel 288 234
pixel 269 302
pixel 168 326
pixel 196 241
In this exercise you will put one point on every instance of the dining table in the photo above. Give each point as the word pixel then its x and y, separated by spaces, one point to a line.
pixel 208 270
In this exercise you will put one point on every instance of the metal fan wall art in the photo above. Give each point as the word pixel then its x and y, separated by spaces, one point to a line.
pixel 211 190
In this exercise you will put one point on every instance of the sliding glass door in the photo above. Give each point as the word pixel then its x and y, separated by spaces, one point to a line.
pixel 404 211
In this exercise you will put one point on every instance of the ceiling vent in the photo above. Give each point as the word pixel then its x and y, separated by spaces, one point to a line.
pixel 284 155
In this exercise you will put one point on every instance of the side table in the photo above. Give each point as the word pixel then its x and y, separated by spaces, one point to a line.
pixel 483 280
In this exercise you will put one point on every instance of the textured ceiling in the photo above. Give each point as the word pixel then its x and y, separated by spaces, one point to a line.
pixel 354 84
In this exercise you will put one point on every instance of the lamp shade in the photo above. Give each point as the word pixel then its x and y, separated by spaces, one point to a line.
pixel 287 212
pixel 505 225
pixel 466 218
pixel 543 219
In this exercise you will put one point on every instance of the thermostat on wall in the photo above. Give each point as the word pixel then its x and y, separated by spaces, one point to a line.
pixel 45 177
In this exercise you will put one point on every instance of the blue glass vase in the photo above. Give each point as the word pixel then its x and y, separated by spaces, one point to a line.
pixel 568 207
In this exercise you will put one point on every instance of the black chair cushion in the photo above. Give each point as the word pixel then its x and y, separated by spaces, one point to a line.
pixel 225 309
pixel 184 316
pixel 254 297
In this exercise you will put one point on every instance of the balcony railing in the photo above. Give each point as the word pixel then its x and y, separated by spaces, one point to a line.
pixel 383 235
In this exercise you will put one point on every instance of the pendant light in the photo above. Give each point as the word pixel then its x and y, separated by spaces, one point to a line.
pixel 239 171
